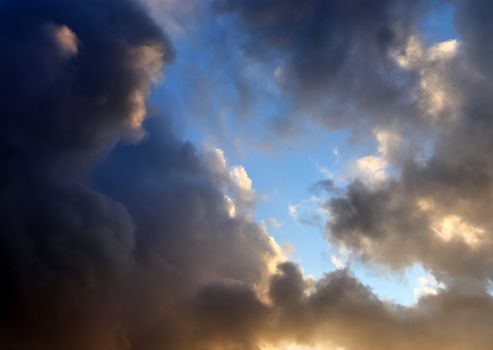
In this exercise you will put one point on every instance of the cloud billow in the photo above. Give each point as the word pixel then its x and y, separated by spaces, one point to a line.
pixel 102 265
pixel 334 57
pixel 436 211
pixel 134 245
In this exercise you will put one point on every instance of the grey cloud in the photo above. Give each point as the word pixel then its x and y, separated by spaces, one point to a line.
pixel 102 263
pixel 325 185
pixel 435 211
pixel 334 57
pixel 338 311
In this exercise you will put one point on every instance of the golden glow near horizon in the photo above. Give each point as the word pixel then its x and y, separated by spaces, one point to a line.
pixel 295 346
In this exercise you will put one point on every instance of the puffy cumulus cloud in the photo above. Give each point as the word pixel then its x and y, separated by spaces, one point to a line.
pixel 372 167
pixel 338 312
pixel 231 207
pixel 234 181
pixel 393 225
pixel 334 59
pixel 218 161
pixel 338 262
pixel 168 187
pixel 435 210
pixel 241 178
pixel 243 183
pixel 427 285
pixel 391 150
pixel 437 96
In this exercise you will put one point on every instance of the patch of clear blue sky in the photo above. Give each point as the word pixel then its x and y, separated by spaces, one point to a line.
pixel 201 95
pixel 438 25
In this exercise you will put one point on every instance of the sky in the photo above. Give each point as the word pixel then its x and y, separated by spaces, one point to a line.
pixel 285 172
pixel 246 175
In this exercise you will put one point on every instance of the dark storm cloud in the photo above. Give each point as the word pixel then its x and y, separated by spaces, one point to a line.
pixel 73 76
pixel 62 96
pixel 179 211
pixel 334 58
pixel 89 269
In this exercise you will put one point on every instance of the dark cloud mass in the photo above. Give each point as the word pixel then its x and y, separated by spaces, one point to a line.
pixel 104 266
pixel 334 58
pixel 115 234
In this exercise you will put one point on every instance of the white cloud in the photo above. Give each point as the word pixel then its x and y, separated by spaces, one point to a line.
pixel 427 285
pixel 372 168
pixel 452 226
pixel 339 262
pixel 217 160
pixel 241 178
pixel 234 181
pixel 436 94
pixel 230 205
pixel 388 142
pixel 292 210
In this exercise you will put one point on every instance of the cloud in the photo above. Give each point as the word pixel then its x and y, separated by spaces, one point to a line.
pixel 100 245
pixel 309 211
pixel 234 180
pixel 174 16
pixel 116 234
pixel 64 38
pixel 330 57
pixel 435 208
pixel 338 262
pixel 438 97
pixel 428 285
pixel 340 312
pixel 240 177
pixel 372 167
